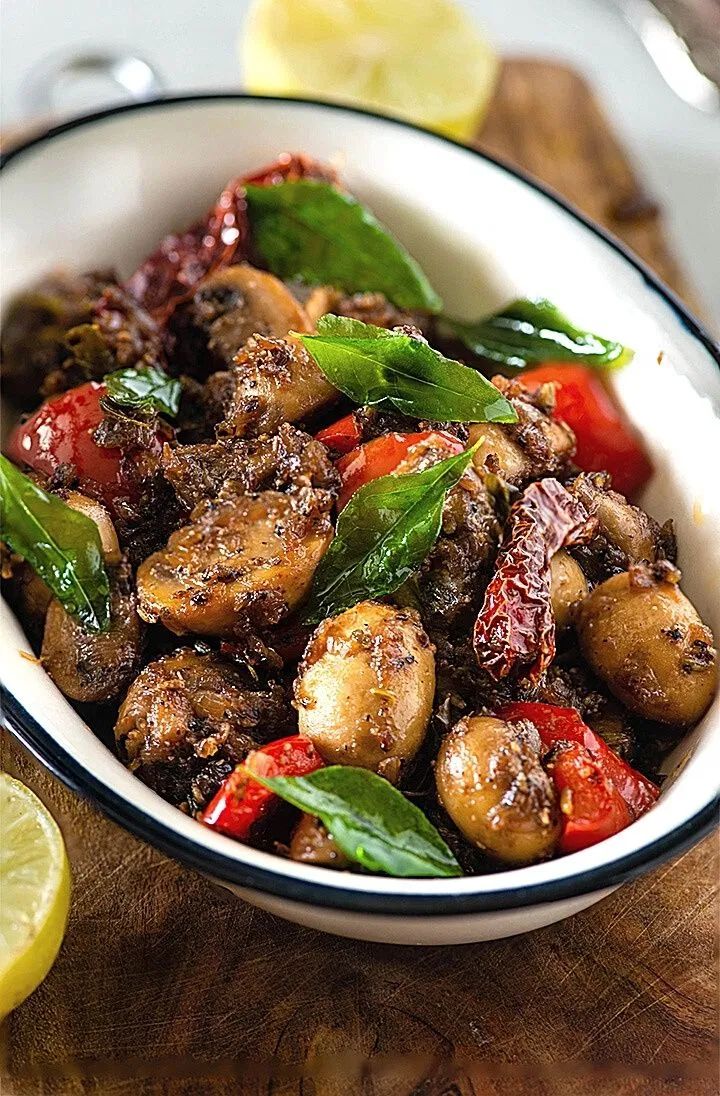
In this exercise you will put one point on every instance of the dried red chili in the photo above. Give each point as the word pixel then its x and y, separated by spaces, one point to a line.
pixel 289 167
pixel 171 273
pixel 515 629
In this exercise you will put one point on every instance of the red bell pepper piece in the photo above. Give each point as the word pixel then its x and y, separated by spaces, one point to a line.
pixel 606 440
pixel 343 435
pixel 240 802
pixel 61 432
pixel 592 808
pixel 383 455
pixel 555 724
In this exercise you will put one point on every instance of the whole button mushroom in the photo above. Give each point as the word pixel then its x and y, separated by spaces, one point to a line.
pixel 365 690
pixel 645 639
pixel 490 781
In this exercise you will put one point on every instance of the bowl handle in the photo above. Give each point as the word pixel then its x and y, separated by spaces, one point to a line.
pixel 136 77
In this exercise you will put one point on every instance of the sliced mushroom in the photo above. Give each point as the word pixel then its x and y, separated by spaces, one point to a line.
pixel 243 560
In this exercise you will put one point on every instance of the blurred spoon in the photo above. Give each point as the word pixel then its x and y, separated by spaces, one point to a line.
pixel 670 54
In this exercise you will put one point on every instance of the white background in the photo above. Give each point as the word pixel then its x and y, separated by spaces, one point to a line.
pixel 193 44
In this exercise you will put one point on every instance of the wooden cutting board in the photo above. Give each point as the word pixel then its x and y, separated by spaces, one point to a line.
pixel 166 984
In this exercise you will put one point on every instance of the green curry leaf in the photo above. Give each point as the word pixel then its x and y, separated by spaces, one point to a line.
pixel 383 535
pixel 396 372
pixel 311 230
pixel 60 543
pixel 532 331
pixel 146 388
pixel 370 820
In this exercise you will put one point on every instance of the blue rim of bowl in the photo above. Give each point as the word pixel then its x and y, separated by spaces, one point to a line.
pixel 210 862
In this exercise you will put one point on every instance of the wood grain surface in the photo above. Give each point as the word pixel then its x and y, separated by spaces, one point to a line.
pixel 169 985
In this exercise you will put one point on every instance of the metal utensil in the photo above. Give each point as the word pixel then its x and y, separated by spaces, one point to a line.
pixel 670 53
pixel 136 77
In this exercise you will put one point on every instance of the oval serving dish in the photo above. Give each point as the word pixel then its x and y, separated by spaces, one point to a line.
pixel 100 190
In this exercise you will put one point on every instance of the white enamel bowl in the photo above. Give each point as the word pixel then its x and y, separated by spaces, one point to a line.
pixel 101 191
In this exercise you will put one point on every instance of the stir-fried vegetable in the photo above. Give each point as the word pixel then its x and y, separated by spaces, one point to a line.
pixel 171 273
pixel 382 536
pixel 604 439
pixel 383 455
pixel 242 802
pixel 556 724
pixel 528 331
pixel 396 371
pixel 515 629
pixel 61 434
pixel 372 822
pixel 313 231
pixel 591 805
pixel 144 389
pixel 343 435
pixel 61 544
pixel 385 590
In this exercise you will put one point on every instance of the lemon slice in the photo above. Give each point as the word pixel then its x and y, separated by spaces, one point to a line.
pixel 34 892
pixel 423 60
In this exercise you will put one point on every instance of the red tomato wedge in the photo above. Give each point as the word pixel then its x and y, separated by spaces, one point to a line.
pixel 61 432
pixel 555 724
pixel 383 455
pixel 241 803
pixel 592 808
pixel 606 440
pixel 341 436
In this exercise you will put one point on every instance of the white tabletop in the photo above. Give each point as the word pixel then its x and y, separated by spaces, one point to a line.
pixel 194 47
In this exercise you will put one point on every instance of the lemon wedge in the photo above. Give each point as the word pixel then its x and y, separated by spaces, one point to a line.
pixel 34 892
pixel 422 60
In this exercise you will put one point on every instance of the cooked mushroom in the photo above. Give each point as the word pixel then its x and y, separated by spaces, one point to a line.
pixel 491 783
pixel 645 639
pixel 227 308
pixel 312 844
pixel 95 510
pixel 627 528
pixel 536 446
pixel 242 560
pixel 365 688
pixel 26 592
pixel 189 718
pixel 372 308
pixel 449 581
pixel 90 666
pixel 273 381
pixel 568 587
